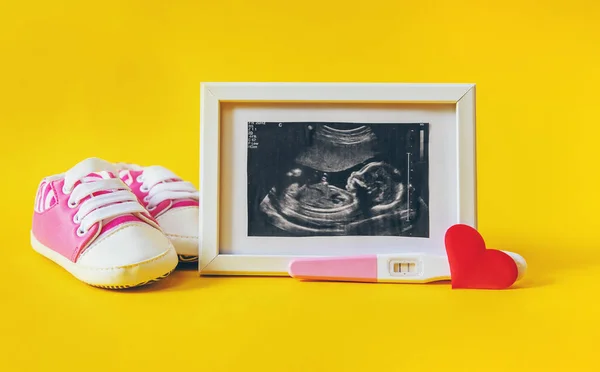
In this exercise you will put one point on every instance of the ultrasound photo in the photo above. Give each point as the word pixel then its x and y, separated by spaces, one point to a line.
pixel 338 179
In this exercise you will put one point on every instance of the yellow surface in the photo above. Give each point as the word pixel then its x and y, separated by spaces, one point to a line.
pixel 120 80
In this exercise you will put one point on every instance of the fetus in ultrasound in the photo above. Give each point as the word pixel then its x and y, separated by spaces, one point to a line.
pixel 306 201
pixel 378 186
pixel 341 184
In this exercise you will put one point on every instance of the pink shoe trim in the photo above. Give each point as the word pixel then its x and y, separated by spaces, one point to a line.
pixel 160 208
pixel 118 221
pixel 186 203
pixel 45 197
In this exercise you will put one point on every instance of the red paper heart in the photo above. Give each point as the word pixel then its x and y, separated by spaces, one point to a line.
pixel 473 266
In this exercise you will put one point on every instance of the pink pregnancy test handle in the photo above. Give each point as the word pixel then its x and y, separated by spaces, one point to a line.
pixel 344 269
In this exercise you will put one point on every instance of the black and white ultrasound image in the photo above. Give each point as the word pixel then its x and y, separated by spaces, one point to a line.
pixel 338 179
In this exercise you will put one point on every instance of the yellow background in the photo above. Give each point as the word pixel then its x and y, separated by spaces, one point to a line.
pixel 120 80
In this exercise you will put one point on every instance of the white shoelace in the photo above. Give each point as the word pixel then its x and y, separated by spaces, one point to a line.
pixel 154 182
pixel 117 202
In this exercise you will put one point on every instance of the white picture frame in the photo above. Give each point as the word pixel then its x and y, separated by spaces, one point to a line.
pixel 461 154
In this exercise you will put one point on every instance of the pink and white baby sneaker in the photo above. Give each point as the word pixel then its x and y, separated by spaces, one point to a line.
pixel 173 202
pixel 88 221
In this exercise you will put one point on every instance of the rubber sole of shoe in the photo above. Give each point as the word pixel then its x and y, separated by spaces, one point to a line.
pixel 187 259
pixel 148 282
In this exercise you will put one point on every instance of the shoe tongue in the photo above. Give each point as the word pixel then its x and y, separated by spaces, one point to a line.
pixel 93 170
pixel 98 167
pixel 94 176
pixel 156 174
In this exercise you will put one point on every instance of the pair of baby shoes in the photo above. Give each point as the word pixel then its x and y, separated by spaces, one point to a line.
pixel 116 225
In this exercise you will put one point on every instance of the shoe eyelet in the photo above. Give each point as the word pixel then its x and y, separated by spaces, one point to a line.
pixel 65 190
pixel 144 188
pixel 80 232
pixel 76 218
pixel 140 179
pixel 146 199
pixel 151 207
pixel 72 204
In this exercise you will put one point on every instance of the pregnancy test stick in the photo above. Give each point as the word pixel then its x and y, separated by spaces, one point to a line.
pixel 381 268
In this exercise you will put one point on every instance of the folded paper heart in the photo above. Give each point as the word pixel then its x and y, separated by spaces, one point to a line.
pixel 472 265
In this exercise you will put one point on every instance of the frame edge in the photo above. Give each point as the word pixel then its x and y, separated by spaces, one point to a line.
pixel 467 158
pixel 209 169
